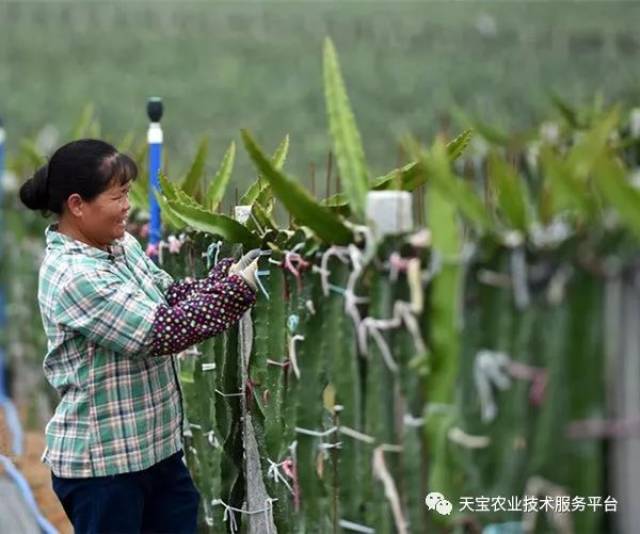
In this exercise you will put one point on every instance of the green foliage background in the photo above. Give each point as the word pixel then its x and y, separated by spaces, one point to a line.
pixel 224 66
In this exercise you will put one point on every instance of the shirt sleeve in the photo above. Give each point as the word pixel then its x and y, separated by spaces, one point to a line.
pixel 201 315
pixel 178 290
pixel 120 317
pixel 108 311
pixel 161 277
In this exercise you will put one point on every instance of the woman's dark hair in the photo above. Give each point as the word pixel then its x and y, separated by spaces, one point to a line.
pixel 87 167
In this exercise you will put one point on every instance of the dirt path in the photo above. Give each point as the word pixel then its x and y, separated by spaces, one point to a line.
pixel 37 474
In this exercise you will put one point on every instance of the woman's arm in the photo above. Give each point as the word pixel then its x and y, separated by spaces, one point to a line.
pixel 120 317
pixel 180 290
pixel 177 290
pixel 201 315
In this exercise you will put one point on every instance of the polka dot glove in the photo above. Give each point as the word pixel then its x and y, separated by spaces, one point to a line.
pixel 182 289
pixel 201 315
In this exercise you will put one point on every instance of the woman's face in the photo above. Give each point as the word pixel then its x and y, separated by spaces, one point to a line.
pixel 101 221
pixel 111 212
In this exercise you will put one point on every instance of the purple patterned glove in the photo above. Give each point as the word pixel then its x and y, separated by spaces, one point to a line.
pixel 183 289
pixel 201 315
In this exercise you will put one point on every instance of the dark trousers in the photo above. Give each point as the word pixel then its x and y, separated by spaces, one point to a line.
pixel 160 499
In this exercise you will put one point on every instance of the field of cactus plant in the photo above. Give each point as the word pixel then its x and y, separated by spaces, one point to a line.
pixel 464 355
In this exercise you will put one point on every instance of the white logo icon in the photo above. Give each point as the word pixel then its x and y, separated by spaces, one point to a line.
pixel 436 501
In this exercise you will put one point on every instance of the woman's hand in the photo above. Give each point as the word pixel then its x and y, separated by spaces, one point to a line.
pixel 247 266
pixel 249 274
pixel 244 261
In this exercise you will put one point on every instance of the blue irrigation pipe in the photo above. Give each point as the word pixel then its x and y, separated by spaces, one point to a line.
pixel 511 527
pixel 25 490
pixel 155 140
pixel 11 415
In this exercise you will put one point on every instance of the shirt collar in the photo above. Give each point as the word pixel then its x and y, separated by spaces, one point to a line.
pixel 62 241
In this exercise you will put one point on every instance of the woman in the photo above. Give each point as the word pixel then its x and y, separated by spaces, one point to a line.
pixel 114 322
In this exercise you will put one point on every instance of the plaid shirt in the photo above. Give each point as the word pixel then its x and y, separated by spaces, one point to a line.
pixel 119 410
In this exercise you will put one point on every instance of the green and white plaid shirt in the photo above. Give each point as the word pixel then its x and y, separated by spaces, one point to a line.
pixel 119 410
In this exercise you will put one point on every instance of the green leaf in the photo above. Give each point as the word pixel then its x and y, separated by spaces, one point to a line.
pixel 568 113
pixel 490 133
pixel 410 177
pixel 566 183
pixel 175 193
pixel 587 150
pixel 204 221
pixel 264 219
pixel 344 132
pixel 83 124
pixel 257 187
pixel 262 206
pixel 250 195
pixel 139 197
pixel 442 319
pixel 30 152
pixel 280 155
pixel 437 168
pixel 405 175
pixel 126 145
pixel 298 201
pixel 188 200
pixel 440 211
pixel 139 192
pixel 265 198
pixel 168 215
pixel 140 153
pixel 511 192
pixel 218 185
pixel 610 180
pixel 95 130
pixel 191 183
pixel 167 187
pixel 562 192
pixel 457 146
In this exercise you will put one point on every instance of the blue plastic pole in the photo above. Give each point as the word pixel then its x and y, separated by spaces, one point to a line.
pixel 155 140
